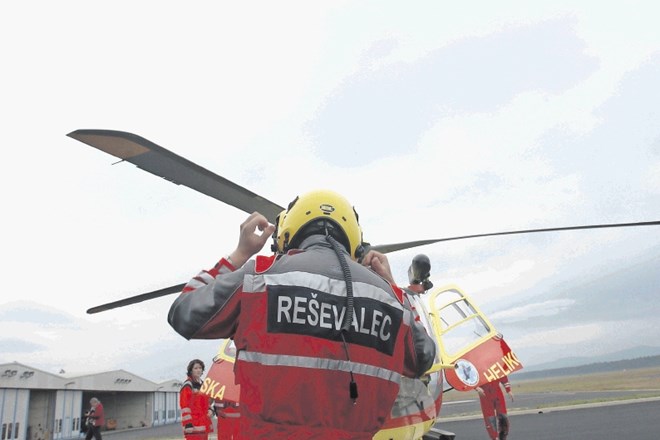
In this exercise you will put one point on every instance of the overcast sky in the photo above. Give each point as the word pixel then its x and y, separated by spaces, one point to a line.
pixel 434 118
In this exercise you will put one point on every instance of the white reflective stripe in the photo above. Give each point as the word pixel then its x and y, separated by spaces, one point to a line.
pixel 185 410
pixel 206 277
pixel 188 417
pixel 230 415
pixel 322 283
pixel 253 284
pixel 196 283
pixel 319 364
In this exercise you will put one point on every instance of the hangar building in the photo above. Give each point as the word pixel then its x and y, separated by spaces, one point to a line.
pixel 38 405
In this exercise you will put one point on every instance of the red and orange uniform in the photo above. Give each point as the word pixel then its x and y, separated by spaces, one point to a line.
pixel 194 411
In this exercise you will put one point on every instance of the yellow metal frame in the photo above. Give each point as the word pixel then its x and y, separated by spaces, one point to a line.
pixel 221 355
pixel 435 315
pixel 413 431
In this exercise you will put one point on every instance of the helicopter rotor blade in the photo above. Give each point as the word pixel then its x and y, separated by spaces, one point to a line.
pixel 136 299
pixel 386 248
pixel 163 163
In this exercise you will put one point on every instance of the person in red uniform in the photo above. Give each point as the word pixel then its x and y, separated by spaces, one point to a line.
pixel 322 340
pixel 95 419
pixel 228 413
pixel 493 407
pixel 196 408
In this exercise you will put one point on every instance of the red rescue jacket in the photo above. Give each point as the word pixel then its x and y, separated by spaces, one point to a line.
pixel 97 415
pixel 194 408
pixel 285 317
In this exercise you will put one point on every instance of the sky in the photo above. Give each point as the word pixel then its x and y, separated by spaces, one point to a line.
pixel 435 119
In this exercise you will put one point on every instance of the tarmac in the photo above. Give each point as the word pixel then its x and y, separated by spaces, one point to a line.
pixel 172 431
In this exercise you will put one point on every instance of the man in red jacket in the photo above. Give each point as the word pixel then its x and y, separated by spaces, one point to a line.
pixel 493 407
pixel 322 340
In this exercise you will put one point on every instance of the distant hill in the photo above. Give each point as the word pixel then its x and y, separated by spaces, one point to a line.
pixel 577 361
pixel 598 367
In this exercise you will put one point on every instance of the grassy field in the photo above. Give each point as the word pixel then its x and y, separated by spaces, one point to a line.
pixel 639 382
pixel 625 380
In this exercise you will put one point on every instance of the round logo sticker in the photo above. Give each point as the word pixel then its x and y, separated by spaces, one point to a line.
pixel 467 372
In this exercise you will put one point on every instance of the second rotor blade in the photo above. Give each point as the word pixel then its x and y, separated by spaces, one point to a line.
pixel 137 298
pixel 385 248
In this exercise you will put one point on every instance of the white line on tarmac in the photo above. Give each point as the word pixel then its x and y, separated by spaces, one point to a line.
pixel 455 402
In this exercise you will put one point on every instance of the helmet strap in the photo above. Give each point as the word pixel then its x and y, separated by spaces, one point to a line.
pixel 285 244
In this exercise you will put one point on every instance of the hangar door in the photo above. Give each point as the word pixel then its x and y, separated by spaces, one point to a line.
pixel 13 413
pixel 68 408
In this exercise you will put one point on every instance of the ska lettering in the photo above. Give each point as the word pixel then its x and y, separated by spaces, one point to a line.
pixel 303 311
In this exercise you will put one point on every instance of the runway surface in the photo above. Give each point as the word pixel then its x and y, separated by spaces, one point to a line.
pixel 469 404
pixel 630 420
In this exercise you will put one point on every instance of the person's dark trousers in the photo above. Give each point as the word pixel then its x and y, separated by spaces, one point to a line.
pixel 93 431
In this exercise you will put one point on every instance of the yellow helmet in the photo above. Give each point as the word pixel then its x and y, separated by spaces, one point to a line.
pixel 314 213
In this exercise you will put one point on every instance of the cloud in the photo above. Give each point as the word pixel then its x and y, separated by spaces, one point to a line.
pixel 652 177
pixel 433 125
pixel 62 341
pixel 584 341
pixel 32 312
pixel 563 336
pixel 17 346
pixel 531 311
pixel 385 112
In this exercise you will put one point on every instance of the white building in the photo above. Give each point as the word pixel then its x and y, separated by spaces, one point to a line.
pixel 35 404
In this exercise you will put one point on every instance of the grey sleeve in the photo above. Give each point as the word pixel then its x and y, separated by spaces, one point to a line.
pixel 210 311
pixel 424 348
